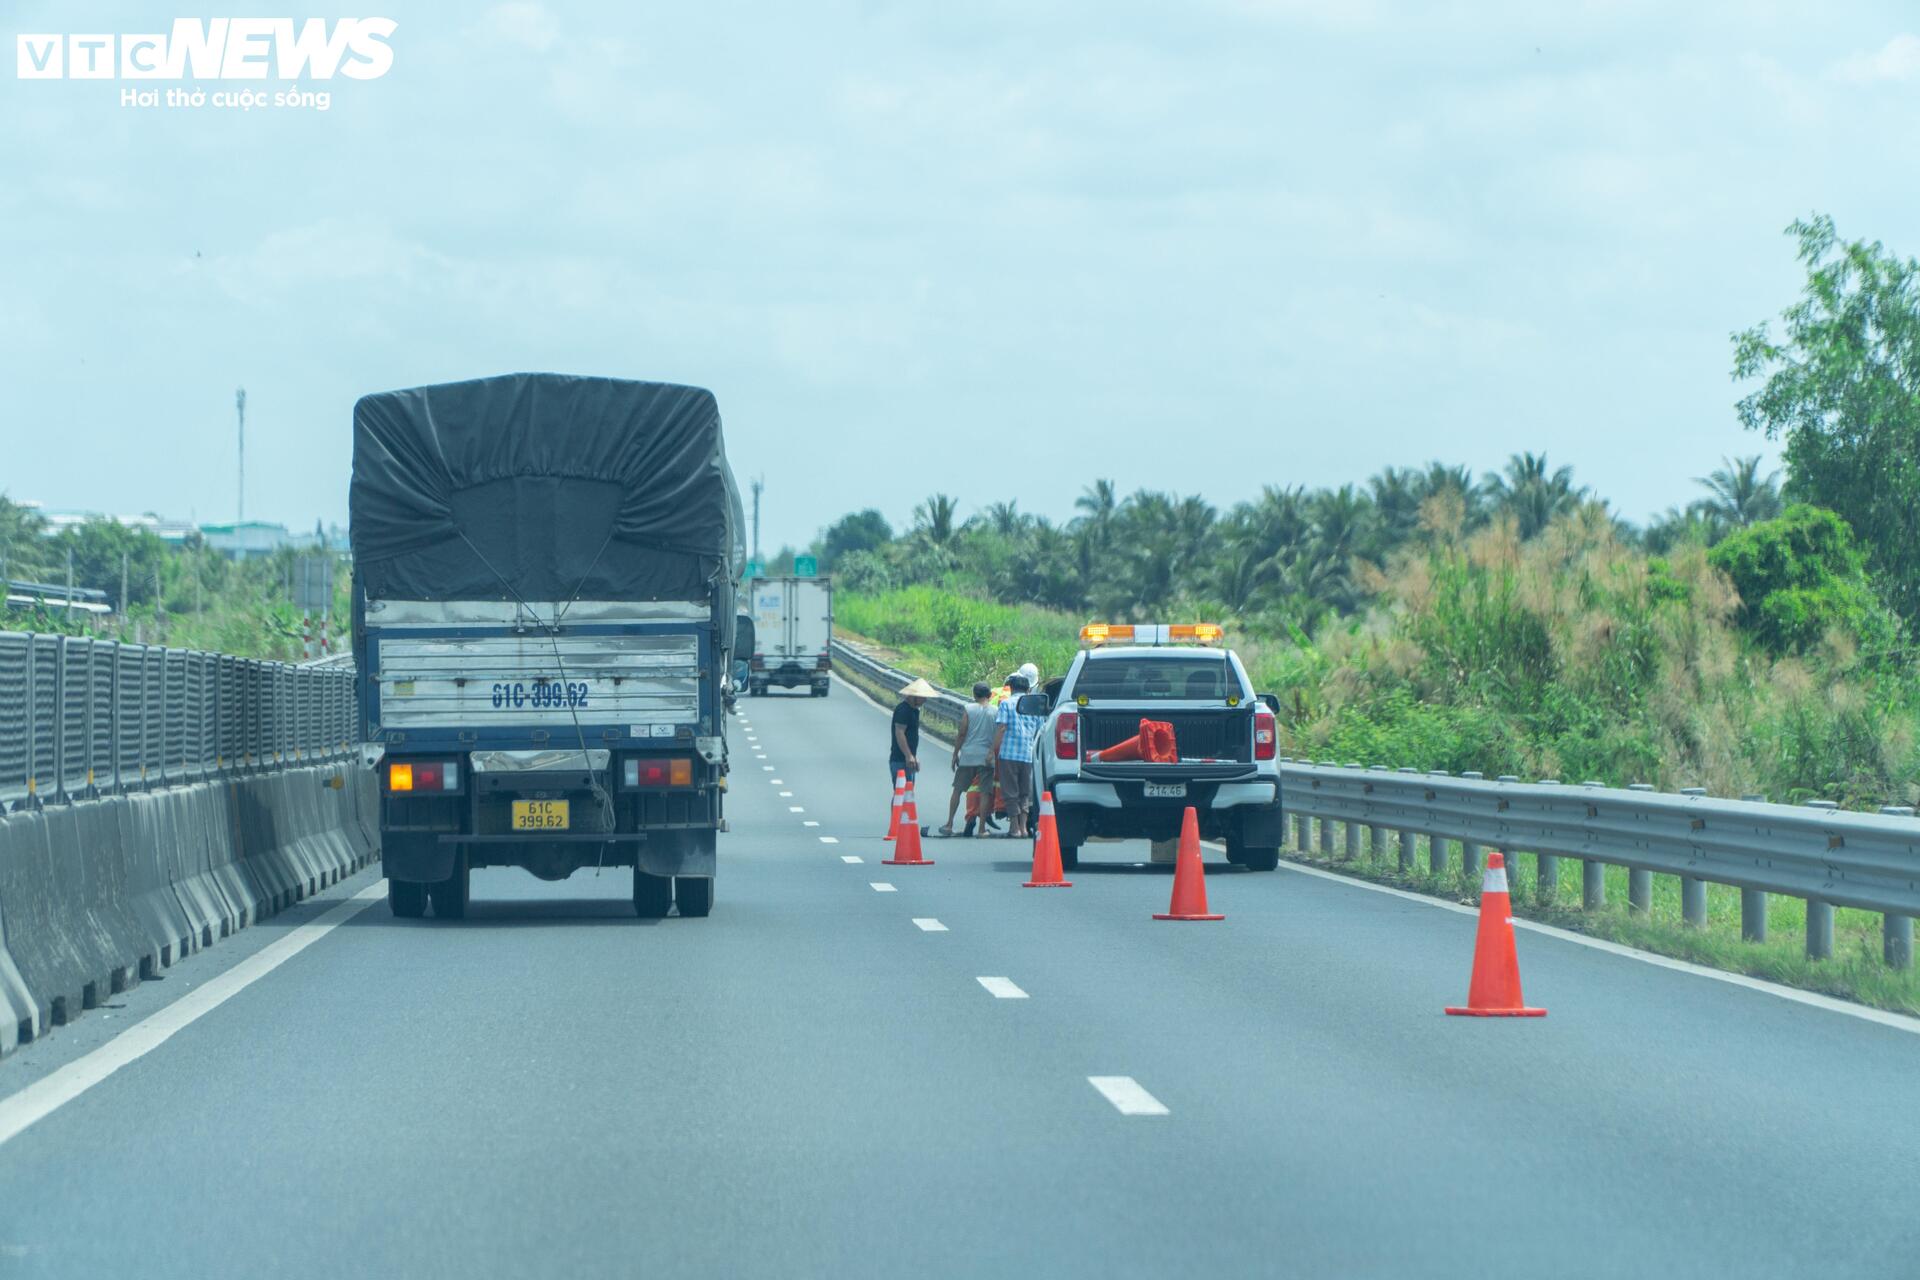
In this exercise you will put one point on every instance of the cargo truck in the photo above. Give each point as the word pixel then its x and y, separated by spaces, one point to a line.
pixel 546 570
pixel 793 634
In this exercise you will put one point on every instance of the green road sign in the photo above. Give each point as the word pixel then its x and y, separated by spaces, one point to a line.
pixel 755 569
pixel 806 566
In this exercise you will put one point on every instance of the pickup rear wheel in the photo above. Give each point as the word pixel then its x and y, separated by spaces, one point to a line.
pixel 1069 856
pixel 652 895
pixel 1256 857
pixel 695 895
pixel 407 899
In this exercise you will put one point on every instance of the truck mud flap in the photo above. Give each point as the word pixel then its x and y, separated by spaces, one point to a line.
pixel 679 853
pixel 415 855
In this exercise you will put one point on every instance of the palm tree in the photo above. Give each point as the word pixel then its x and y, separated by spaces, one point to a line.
pixel 1532 492
pixel 1396 493
pixel 1099 501
pixel 1738 495
pixel 1004 518
pixel 934 519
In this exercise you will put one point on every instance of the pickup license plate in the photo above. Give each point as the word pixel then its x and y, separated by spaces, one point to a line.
pixel 540 815
pixel 1165 790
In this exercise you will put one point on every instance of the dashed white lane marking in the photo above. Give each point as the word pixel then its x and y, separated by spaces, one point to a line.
pixel 778 782
pixel 829 839
pixel 809 823
pixel 766 768
pixel 794 808
pixel 787 795
pixel 1127 1097
pixel 849 857
pixel 49 1093
pixel 1002 988
pixel 929 925
pixel 880 886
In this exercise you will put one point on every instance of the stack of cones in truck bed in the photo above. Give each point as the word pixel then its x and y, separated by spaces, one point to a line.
pixel 1154 744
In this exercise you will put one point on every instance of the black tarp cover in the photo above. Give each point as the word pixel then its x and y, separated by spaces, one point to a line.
pixel 565 487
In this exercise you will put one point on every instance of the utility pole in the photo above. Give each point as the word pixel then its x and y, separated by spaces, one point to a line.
pixel 69 582
pixel 759 483
pixel 123 584
pixel 240 405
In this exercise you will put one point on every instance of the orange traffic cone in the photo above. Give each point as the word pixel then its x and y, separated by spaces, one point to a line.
pixel 1494 991
pixel 1126 749
pixel 899 788
pixel 1046 851
pixel 1189 876
pixel 907 851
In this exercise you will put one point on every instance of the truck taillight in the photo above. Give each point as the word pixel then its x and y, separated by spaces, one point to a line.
pixel 1066 736
pixel 822 662
pixel 423 775
pixel 1266 737
pixel 657 771
pixel 758 663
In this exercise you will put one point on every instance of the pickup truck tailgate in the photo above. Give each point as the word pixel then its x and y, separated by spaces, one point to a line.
pixel 1224 734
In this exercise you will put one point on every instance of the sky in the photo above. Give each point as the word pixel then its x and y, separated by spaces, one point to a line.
pixel 996 250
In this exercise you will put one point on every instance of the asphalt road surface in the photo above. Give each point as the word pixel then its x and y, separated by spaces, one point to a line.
pixel 859 1070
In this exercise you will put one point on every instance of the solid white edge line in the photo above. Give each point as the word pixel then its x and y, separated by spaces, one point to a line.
pixel 881 886
pixel 45 1096
pixel 928 924
pixel 1002 988
pixel 1813 999
pixel 1127 1097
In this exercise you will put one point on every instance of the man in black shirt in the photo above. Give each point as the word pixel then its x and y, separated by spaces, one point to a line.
pixel 903 739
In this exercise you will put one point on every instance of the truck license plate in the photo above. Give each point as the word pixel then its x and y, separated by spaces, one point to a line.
pixel 540 815
pixel 1165 790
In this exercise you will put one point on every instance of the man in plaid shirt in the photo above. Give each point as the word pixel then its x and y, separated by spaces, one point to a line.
pixel 1012 756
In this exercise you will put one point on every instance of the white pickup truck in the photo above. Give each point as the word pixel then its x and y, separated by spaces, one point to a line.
pixel 1226 739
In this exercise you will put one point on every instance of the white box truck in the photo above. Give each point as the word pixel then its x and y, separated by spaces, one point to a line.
pixel 792 634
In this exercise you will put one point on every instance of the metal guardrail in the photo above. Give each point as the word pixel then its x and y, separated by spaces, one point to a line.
pixel 82 717
pixel 1815 852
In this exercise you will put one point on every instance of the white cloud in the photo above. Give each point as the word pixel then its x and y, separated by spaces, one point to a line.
pixel 1897 59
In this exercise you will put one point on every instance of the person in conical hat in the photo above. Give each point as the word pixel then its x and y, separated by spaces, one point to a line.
pixel 903 742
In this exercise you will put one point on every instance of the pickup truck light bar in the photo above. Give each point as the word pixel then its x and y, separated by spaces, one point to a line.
pixel 1095 634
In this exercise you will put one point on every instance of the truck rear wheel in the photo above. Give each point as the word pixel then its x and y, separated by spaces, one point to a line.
pixel 695 895
pixel 450 895
pixel 652 895
pixel 1069 856
pixel 407 899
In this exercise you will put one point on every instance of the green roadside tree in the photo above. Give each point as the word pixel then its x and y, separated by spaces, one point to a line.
pixel 1801 577
pixel 1842 386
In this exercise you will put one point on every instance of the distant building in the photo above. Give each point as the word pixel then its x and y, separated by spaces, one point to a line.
pixel 46 595
pixel 251 539
pixel 246 540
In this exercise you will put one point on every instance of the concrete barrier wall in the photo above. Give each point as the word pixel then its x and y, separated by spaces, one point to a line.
pixel 97 894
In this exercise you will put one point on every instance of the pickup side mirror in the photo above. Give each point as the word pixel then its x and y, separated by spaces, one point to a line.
pixel 1271 702
pixel 1033 704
